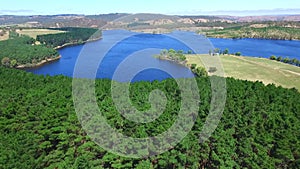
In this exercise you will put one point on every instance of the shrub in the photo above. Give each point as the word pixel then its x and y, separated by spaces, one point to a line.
pixel 212 69
pixel 5 62
pixel 279 58
pixel 238 54
pixel 13 63
pixel 273 57
pixel 226 51
pixel 193 66
pixel 286 60
pixel 200 72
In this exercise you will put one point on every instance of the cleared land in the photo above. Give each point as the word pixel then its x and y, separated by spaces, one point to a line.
pixel 34 32
pixel 5 36
pixel 255 69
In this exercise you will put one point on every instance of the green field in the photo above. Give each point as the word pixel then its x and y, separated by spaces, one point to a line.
pixel 34 32
pixel 255 69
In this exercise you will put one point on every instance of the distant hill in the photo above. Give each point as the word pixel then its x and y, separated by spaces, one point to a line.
pixel 52 21
pixel 264 18
pixel 74 20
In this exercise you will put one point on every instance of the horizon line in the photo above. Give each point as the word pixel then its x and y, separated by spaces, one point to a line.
pixel 240 13
pixel 115 13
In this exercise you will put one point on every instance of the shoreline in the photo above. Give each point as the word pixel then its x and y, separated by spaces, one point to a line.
pixel 188 66
pixel 41 63
pixel 166 31
pixel 45 61
pixel 74 44
pixel 238 38
pixel 183 63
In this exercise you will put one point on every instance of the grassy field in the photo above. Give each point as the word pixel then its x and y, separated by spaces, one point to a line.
pixel 34 32
pixel 255 69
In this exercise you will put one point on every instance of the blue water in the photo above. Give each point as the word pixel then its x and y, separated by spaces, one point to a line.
pixel 130 55
pixel 119 51
pixel 260 47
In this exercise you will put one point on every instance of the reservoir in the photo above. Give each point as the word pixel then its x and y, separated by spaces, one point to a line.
pixel 140 49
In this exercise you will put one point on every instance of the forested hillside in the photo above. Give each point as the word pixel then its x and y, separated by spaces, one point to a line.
pixel 22 50
pixel 257 31
pixel 70 36
pixel 28 52
pixel 39 128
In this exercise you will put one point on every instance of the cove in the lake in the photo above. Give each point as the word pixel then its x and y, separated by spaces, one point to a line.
pixel 137 50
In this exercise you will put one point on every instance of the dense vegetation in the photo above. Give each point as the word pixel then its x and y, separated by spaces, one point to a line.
pixel 180 58
pixel 39 128
pixel 21 50
pixel 199 71
pixel 265 32
pixel 171 54
pixel 71 36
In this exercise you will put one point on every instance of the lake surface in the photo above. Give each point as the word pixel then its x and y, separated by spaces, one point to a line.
pixel 134 51
pixel 260 47
pixel 131 55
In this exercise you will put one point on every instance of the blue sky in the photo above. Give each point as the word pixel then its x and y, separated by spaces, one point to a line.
pixel 180 7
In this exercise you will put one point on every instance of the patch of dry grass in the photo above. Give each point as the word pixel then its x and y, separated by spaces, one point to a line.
pixel 34 32
pixel 5 36
pixel 255 69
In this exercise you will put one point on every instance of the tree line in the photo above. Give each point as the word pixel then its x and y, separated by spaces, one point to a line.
pixel 70 36
pixel 287 60
pixel 39 127
pixel 218 51
pixel 247 31
pixel 294 61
